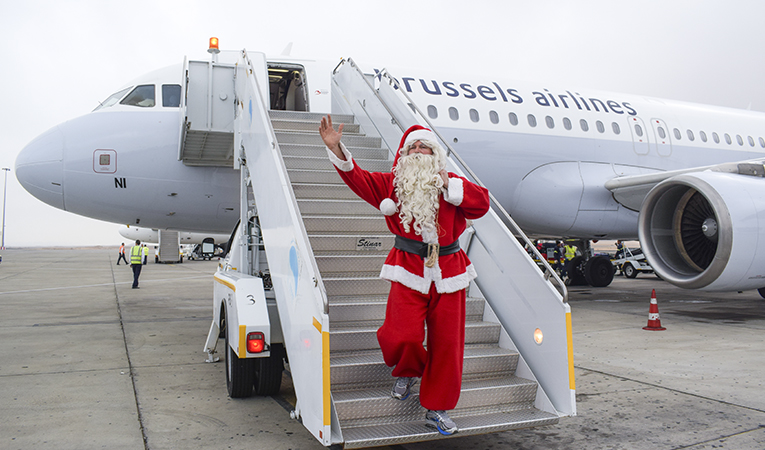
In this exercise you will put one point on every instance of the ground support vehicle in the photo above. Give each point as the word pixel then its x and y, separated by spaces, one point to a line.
pixel 630 262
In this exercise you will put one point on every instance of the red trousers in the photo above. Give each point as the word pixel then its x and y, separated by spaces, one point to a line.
pixel 402 335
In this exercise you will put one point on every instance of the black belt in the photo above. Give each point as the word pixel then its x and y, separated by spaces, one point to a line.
pixel 421 248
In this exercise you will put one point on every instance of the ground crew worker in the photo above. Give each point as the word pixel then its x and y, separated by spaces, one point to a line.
pixel 570 253
pixel 136 255
pixel 122 255
pixel 145 254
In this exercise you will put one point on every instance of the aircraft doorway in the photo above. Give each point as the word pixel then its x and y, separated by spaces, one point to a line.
pixel 661 137
pixel 287 87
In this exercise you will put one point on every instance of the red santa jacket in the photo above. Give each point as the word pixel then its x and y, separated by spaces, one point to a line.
pixel 463 200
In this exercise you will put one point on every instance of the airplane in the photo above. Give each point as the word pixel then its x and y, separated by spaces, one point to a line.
pixel 565 162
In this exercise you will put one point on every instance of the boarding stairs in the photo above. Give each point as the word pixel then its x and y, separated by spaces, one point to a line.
pixel 350 241
pixel 325 248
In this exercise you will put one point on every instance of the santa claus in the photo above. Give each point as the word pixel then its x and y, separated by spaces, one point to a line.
pixel 427 209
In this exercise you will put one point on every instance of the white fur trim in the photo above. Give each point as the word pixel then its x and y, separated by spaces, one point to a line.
pixel 388 207
pixel 458 282
pixel 408 279
pixel 456 192
pixel 429 236
pixel 431 275
pixel 420 135
pixel 345 166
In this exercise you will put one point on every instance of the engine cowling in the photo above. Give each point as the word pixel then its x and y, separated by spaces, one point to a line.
pixel 706 231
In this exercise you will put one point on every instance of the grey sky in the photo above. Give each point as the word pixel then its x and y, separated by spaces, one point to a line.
pixel 61 58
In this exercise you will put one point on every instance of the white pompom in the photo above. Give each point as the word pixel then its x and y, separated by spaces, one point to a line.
pixel 388 207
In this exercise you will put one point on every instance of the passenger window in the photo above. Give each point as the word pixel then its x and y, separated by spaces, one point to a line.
pixel 432 112
pixel 112 100
pixel 453 113
pixel 474 115
pixel 739 139
pixel 751 141
pixel 566 123
pixel 532 120
pixel 513 118
pixel 550 122
pixel 728 139
pixel 638 130
pixel 171 95
pixel 585 126
pixel 690 135
pixel 678 136
pixel 703 136
pixel 494 117
pixel 762 142
pixel 600 126
pixel 615 127
pixel 142 96
pixel 715 137
pixel 662 133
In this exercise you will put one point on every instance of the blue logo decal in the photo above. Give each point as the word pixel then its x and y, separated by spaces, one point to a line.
pixel 250 111
pixel 294 265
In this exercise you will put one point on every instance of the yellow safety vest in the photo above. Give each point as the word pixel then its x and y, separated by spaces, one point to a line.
pixel 570 252
pixel 135 255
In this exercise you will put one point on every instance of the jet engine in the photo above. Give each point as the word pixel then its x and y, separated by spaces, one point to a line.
pixel 706 230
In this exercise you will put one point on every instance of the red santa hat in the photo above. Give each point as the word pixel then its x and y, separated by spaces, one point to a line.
pixel 427 137
pixel 413 134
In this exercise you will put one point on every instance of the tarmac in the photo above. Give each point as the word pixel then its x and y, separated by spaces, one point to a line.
pixel 88 362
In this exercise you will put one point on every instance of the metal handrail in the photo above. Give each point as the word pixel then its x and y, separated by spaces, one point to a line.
pixel 548 272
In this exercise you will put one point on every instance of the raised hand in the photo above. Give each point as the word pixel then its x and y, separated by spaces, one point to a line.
pixel 331 137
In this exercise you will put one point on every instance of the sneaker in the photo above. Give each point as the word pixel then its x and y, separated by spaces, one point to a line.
pixel 440 421
pixel 403 387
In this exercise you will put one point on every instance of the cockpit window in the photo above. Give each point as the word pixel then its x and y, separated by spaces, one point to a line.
pixel 142 96
pixel 112 100
pixel 171 95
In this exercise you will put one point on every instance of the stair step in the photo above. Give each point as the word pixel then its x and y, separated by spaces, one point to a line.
pixel 303 125
pixel 320 151
pixel 362 370
pixel 373 308
pixel 351 242
pixel 350 263
pixel 416 430
pixel 316 224
pixel 309 116
pixel 313 138
pixel 323 163
pixel 325 191
pixel 508 392
pixel 342 207
pixel 346 338
pixel 315 176
pixel 355 286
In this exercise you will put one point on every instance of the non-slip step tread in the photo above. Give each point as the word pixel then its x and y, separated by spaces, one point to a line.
pixel 417 431
pixel 375 356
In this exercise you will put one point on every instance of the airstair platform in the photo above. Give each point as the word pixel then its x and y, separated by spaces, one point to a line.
pixel 325 247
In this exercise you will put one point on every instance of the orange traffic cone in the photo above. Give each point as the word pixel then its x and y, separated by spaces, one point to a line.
pixel 654 323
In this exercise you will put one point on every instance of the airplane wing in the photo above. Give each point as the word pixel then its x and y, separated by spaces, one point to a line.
pixel 631 190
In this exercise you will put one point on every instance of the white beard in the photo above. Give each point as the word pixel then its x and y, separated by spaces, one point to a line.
pixel 418 187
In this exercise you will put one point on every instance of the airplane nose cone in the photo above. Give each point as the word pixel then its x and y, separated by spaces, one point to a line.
pixel 40 167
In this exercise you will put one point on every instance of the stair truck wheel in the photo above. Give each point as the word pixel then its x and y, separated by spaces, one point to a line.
pixel 268 372
pixel 240 374
pixel 629 270
pixel 599 272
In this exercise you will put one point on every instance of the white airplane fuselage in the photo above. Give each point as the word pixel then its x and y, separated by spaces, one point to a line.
pixel 544 152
